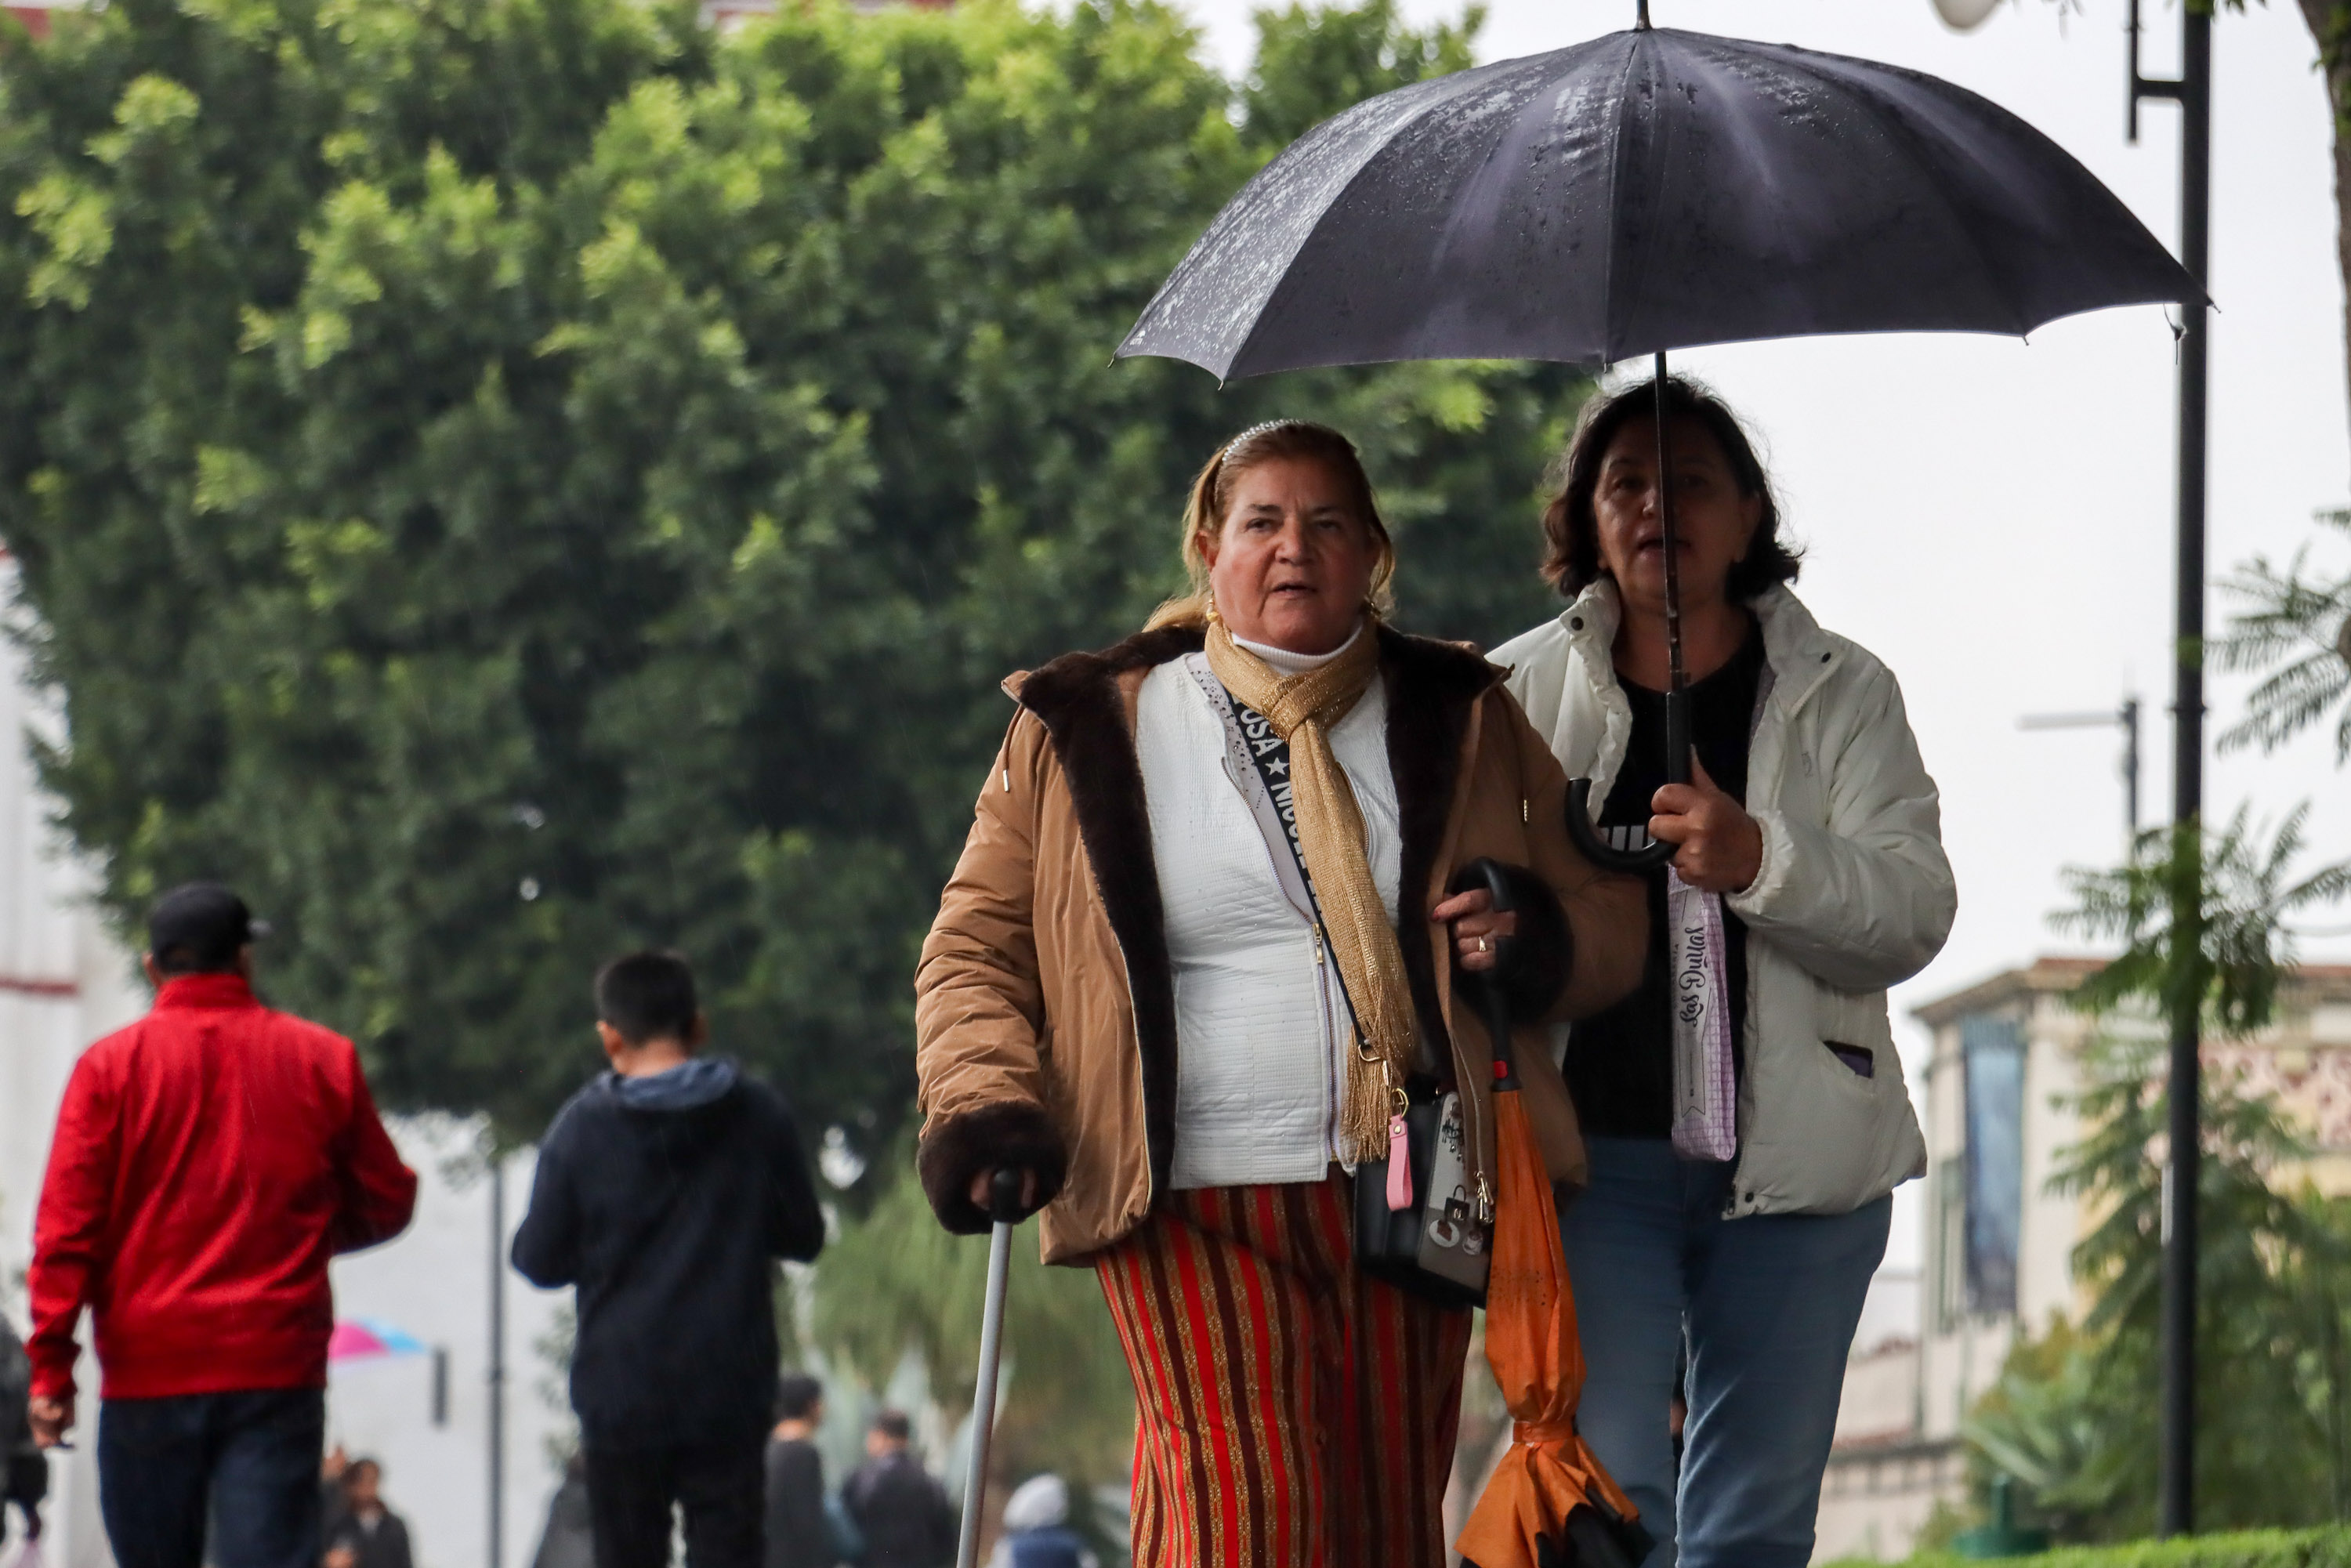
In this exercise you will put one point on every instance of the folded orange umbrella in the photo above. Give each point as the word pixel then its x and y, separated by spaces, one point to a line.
pixel 1549 1500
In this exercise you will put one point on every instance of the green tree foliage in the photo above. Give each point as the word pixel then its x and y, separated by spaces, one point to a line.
pixel 504 480
pixel 1312 62
pixel 2246 893
pixel 2293 629
pixel 2074 1416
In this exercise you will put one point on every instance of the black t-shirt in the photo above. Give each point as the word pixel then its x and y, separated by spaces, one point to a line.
pixel 1620 1062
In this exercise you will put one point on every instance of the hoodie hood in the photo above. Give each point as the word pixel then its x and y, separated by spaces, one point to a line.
pixel 683 1088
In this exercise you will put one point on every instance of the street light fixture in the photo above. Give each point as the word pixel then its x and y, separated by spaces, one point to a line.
pixel 2126 719
pixel 1965 16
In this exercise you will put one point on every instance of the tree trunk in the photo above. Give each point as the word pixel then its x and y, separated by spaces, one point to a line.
pixel 2330 26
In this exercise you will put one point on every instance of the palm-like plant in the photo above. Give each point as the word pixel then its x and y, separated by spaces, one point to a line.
pixel 2073 1415
pixel 2296 631
pixel 2046 1424
pixel 2244 904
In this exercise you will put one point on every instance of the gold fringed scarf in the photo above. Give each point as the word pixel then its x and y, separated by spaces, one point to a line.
pixel 1302 708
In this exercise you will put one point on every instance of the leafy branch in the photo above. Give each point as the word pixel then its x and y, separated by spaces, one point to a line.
pixel 2297 632
pixel 2244 901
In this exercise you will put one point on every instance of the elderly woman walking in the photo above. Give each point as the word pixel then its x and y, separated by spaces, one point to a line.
pixel 1196 957
pixel 1808 837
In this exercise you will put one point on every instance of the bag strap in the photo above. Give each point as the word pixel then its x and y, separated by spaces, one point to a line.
pixel 1257 759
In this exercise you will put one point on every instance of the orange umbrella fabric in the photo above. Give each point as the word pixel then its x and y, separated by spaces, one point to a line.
pixel 1532 1344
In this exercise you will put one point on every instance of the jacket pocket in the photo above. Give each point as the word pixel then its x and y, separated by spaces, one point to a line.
pixel 1859 1059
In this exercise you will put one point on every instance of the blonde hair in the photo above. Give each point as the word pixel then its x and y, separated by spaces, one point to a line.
pixel 1212 497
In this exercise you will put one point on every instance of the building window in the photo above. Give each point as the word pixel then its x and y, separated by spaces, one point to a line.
pixel 1992 1052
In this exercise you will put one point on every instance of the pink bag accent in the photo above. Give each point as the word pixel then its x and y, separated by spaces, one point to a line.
pixel 1399 1165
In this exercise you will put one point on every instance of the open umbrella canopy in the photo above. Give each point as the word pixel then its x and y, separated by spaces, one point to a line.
pixel 359 1337
pixel 1648 191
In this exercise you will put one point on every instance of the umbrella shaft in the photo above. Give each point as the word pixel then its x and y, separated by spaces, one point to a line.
pixel 1677 739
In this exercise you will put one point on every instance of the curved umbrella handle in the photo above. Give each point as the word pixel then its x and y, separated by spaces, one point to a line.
pixel 1600 854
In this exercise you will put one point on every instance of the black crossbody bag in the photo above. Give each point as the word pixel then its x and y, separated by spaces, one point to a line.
pixel 1439 1247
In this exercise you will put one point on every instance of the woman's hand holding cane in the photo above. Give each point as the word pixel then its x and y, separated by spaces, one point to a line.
pixel 984 1192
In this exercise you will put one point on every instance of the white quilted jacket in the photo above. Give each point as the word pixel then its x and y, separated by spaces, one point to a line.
pixel 1854 894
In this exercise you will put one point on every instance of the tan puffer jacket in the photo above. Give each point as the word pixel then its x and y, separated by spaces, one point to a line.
pixel 1045 1003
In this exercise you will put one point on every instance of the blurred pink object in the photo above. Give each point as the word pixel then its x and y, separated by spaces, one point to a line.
pixel 356 1337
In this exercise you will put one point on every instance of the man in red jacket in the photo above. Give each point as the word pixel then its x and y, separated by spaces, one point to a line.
pixel 209 1160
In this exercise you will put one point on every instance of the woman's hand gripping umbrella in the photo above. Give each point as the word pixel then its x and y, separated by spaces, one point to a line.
pixel 1550 1501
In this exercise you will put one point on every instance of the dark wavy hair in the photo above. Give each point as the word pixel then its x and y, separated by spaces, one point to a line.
pixel 1571 531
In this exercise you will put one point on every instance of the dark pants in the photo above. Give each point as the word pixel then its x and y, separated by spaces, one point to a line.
pixel 248 1459
pixel 721 1487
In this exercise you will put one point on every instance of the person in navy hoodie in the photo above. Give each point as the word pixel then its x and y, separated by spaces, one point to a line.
pixel 666 1191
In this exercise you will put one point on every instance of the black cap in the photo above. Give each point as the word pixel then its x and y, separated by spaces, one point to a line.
pixel 201 924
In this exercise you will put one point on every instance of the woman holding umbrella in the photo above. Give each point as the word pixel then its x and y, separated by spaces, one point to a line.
pixel 1807 875
pixel 1195 963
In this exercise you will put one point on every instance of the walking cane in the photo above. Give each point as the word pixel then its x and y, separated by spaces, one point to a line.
pixel 1004 1207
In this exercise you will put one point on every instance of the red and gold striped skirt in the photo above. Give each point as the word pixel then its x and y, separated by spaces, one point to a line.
pixel 1291 1412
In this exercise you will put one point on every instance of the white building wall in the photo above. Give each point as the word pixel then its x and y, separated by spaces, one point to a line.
pixel 2055 1034
pixel 434 1282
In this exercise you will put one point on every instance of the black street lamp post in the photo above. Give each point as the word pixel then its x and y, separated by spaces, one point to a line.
pixel 2193 92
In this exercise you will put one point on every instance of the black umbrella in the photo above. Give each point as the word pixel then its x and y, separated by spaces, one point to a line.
pixel 1648 191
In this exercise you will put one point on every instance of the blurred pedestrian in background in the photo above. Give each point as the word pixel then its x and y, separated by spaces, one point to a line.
pixel 899 1508
pixel 24 1468
pixel 332 1503
pixel 1037 1532
pixel 666 1189
pixel 1810 831
pixel 376 1536
pixel 1197 954
pixel 209 1160
pixel 800 1527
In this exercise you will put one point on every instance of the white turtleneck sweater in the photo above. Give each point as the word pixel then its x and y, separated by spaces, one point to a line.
pixel 1262 1034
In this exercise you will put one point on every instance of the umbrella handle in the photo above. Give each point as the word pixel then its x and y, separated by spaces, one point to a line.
pixel 1599 852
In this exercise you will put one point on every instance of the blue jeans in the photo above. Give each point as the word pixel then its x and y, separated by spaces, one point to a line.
pixel 249 1460
pixel 1770 1304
